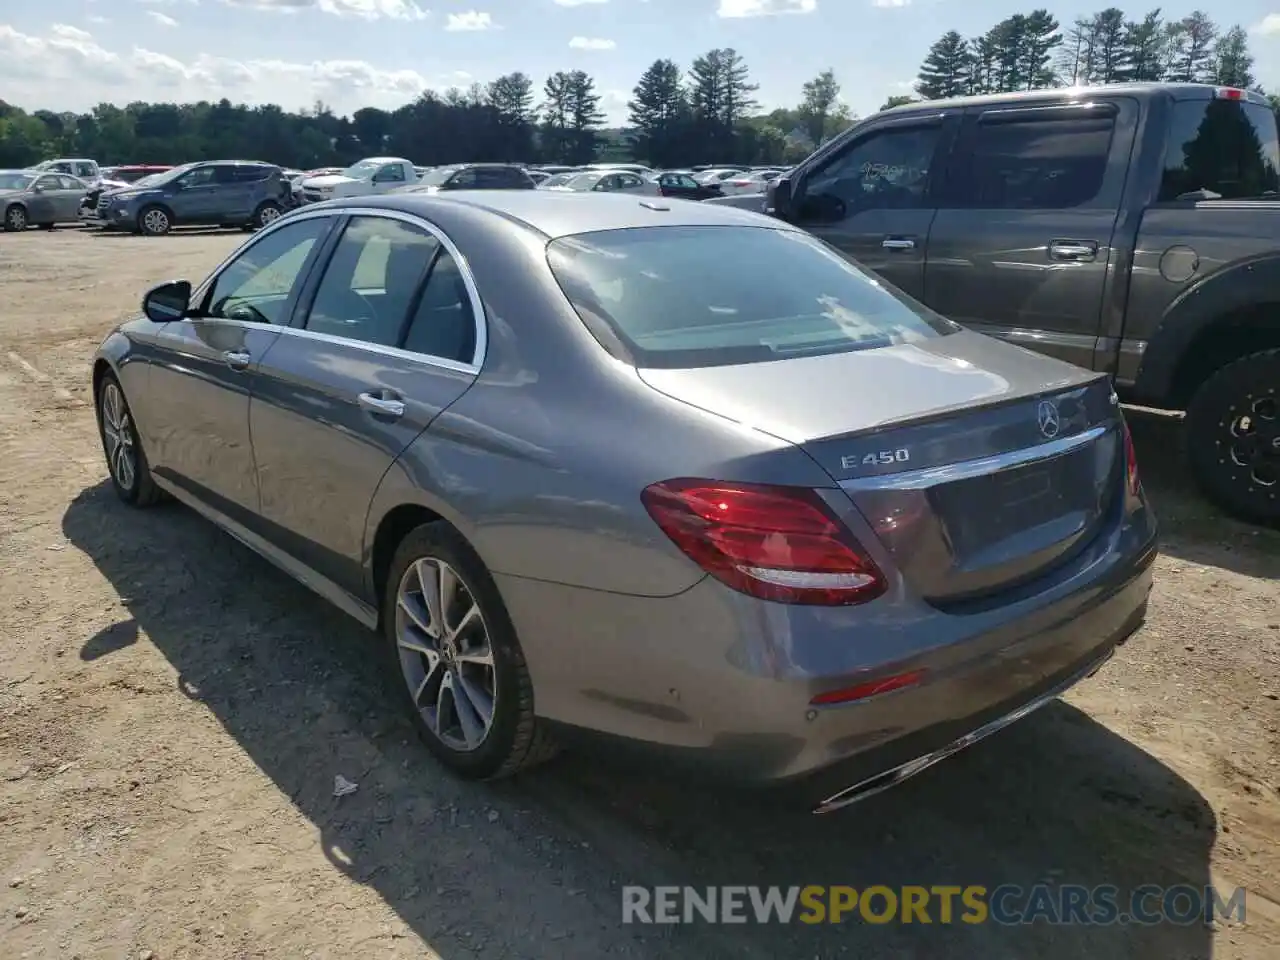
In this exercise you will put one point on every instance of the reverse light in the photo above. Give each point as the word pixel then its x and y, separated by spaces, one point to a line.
pixel 772 542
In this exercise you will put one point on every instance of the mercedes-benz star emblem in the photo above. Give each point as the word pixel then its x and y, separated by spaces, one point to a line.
pixel 1047 417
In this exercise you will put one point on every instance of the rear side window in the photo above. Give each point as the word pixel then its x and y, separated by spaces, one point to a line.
pixel 249 173
pixel 371 279
pixel 1227 147
pixel 697 296
pixel 444 325
pixel 1034 163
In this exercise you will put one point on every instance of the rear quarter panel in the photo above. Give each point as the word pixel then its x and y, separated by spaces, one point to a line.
pixel 1193 263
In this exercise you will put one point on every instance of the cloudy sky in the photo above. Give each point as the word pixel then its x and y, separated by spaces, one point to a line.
pixel 352 53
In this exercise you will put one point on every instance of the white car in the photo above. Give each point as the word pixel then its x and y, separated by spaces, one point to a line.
pixel 755 181
pixel 370 176
pixel 718 174
pixel 611 181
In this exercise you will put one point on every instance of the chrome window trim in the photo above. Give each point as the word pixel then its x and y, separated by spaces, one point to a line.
pixel 948 473
pixel 464 269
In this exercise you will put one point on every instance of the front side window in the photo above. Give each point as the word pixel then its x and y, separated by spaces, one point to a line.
pixel 369 283
pixel 464 179
pixel 695 296
pixel 70 183
pixel 47 183
pixel 1034 163
pixel 85 170
pixel 1225 147
pixel 200 177
pixel 887 170
pixel 258 284
pixel 390 173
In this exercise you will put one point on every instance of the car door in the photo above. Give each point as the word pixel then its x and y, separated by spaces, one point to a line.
pixel 70 193
pixel 205 367
pixel 42 199
pixel 239 186
pixel 194 195
pixel 387 336
pixel 1022 243
pixel 872 197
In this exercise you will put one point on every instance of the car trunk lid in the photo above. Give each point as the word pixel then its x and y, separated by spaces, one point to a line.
pixel 979 465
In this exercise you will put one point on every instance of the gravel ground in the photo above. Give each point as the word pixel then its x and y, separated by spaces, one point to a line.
pixel 173 713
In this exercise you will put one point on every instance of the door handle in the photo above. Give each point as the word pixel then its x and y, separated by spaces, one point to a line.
pixel 236 359
pixel 1073 251
pixel 381 405
pixel 898 243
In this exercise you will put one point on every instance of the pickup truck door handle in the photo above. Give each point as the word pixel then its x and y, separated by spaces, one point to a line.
pixel 898 243
pixel 1073 251
pixel 236 359
pixel 381 404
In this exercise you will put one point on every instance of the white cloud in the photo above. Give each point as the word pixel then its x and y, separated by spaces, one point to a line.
pixel 160 18
pixel 471 20
pixel 1269 26
pixel 577 3
pixel 741 9
pixel 97 20
pixel 68 70
pixel 890 4
pixel 351 9
pixel 591 43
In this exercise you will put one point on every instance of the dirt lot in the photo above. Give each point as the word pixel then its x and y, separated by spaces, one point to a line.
pixel 173 713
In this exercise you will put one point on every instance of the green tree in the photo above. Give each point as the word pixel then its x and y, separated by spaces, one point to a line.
pixel 1193 45
pixel 659 114
pixel 1232 61
pixel 819 97
pixel 901 100
pixel 948 69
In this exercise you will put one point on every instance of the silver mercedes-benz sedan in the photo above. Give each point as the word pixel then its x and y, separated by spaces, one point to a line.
pixel 671 473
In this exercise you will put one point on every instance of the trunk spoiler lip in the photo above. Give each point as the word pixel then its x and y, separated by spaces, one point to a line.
pixel 946 413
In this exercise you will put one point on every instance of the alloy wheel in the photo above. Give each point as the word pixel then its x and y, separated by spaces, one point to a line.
pixel 17 218
pixel 268 216
pixel 445 653
pixel 1254 441
pixel 117 432
pixel 155 221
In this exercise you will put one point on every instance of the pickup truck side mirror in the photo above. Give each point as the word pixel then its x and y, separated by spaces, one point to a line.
pixel 778 198
pixel 167 302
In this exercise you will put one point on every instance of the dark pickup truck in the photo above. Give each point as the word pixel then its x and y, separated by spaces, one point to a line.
pixel 1132 228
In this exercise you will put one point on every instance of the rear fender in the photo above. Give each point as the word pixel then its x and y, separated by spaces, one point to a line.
pixel 1232 290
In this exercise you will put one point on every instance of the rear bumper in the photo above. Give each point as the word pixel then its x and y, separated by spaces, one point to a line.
pixel 725 683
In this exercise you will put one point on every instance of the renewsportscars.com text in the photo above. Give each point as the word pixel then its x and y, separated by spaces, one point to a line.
pixel 1058 904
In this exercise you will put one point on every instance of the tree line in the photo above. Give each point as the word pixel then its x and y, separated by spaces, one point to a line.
pixel 704 115
pixel 1032 51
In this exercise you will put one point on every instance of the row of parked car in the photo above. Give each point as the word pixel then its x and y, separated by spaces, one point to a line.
pixel 153 199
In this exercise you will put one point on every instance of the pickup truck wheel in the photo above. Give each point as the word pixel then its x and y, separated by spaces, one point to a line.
pixel 154 221
pixel 1233 432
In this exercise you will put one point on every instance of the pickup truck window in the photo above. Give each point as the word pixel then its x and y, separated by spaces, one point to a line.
pixel 1034 164
pixel 887 170
pixel 1226 147
pixel 390 173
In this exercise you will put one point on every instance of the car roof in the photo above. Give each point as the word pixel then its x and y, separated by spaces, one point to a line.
pixel 560 214
pixel 1143 89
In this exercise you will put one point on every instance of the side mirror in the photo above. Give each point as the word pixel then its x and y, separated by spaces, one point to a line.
pixel 37 188
pixel 167 302
pixel 778 198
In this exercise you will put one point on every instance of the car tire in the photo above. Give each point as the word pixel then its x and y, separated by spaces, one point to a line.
pixel 266 214
pixel 426 660
pixel 15 218
pixel 1233 437
pixel 126 461
pixel 154 221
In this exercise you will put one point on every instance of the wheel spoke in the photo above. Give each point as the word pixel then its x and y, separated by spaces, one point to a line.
pixel 416 616
pixel 433 675
pixel 470 618
pixel 429 588
pixel 481 655
pixel 470 723
pixel 478 702
pixel 447 587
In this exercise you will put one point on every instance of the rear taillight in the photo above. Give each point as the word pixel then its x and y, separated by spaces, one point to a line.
pixel 1132 481
pixel 776 543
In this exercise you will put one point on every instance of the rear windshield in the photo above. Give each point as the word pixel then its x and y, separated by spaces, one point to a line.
pixel 700 296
